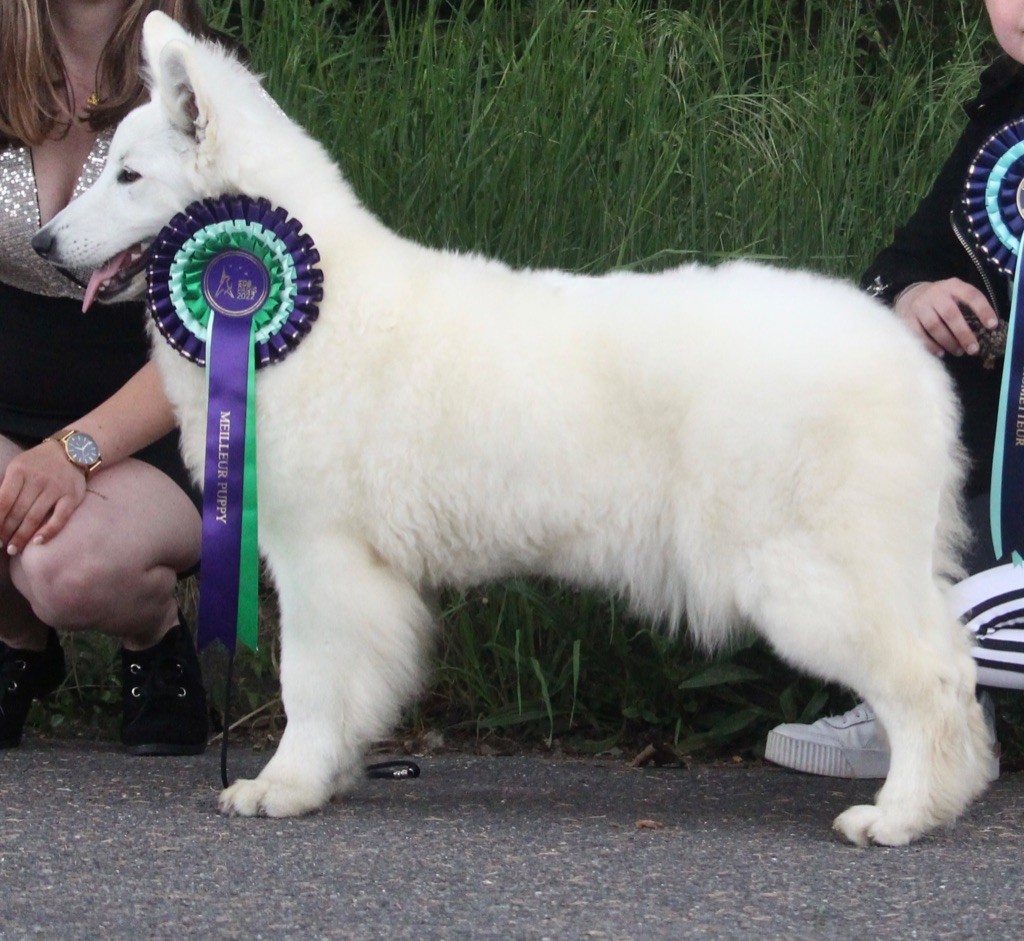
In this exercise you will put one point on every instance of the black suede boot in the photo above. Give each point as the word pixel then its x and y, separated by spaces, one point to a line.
pixel 163 699
pixel 26 675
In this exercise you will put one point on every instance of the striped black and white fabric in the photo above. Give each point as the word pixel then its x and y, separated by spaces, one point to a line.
pixel 991 604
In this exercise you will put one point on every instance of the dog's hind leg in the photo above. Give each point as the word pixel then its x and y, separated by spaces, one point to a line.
pixel 940 747
pixel 352 652
pixel 902 651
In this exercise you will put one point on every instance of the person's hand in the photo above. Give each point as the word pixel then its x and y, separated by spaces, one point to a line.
pixel 934 310
pixel 40 490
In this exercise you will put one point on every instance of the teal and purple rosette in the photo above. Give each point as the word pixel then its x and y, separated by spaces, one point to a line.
pixel 992 197
pixel 994 204
pixel 233 286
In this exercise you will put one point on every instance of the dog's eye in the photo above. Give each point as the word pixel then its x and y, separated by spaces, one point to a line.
pixel 127 176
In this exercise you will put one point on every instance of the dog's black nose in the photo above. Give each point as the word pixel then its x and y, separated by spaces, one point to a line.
pixel 42 242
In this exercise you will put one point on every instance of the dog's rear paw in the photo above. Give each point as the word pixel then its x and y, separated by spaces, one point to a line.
pixel 266 797
pixel 865 824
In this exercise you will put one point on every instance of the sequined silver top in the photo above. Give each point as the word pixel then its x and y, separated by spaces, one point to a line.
pixel 20 266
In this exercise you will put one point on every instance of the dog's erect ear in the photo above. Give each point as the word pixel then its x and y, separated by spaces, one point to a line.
pixel 180 92
pixel 170 56
pixel 158 30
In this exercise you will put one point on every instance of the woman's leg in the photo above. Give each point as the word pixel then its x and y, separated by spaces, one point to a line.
pixel 113 569
pixel 114 566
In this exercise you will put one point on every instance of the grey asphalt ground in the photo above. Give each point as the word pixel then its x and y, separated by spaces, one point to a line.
pixel 96 844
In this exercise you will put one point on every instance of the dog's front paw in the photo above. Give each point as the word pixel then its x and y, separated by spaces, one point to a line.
pixel 268 797
pixel 864 824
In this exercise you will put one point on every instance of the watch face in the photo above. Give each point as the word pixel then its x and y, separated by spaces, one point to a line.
pixel 82 449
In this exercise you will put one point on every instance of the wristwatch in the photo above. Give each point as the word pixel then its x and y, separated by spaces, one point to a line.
pixel 80 449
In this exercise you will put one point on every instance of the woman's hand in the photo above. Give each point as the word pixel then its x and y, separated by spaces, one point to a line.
pixel 40 490
pixel 934 310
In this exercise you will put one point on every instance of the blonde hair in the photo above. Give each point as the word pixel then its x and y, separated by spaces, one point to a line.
pixel 35 97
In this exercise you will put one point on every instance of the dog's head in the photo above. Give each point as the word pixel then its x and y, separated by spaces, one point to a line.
pixel 163 156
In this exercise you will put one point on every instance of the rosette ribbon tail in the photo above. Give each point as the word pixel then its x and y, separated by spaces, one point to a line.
pixel 1007 495
pixel 229 577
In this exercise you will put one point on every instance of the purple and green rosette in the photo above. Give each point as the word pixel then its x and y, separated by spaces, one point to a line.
pixel 994 204
pixel 233 286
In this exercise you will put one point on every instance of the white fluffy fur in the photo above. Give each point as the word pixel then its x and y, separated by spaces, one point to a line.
pixel 729 446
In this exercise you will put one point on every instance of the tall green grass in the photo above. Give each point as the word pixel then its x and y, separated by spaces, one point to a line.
pixel 621 134
pixel 626 134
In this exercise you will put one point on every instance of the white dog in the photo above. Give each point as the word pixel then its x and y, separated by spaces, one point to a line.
pixel 733 447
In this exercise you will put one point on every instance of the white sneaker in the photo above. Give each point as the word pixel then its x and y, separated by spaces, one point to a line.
pixel 853 745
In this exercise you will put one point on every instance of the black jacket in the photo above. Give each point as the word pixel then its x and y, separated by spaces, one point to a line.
pixel 934 245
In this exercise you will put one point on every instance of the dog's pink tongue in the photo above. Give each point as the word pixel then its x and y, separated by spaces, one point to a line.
pixel 99 276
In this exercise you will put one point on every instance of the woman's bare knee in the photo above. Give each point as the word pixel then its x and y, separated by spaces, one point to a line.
pixel 69 591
